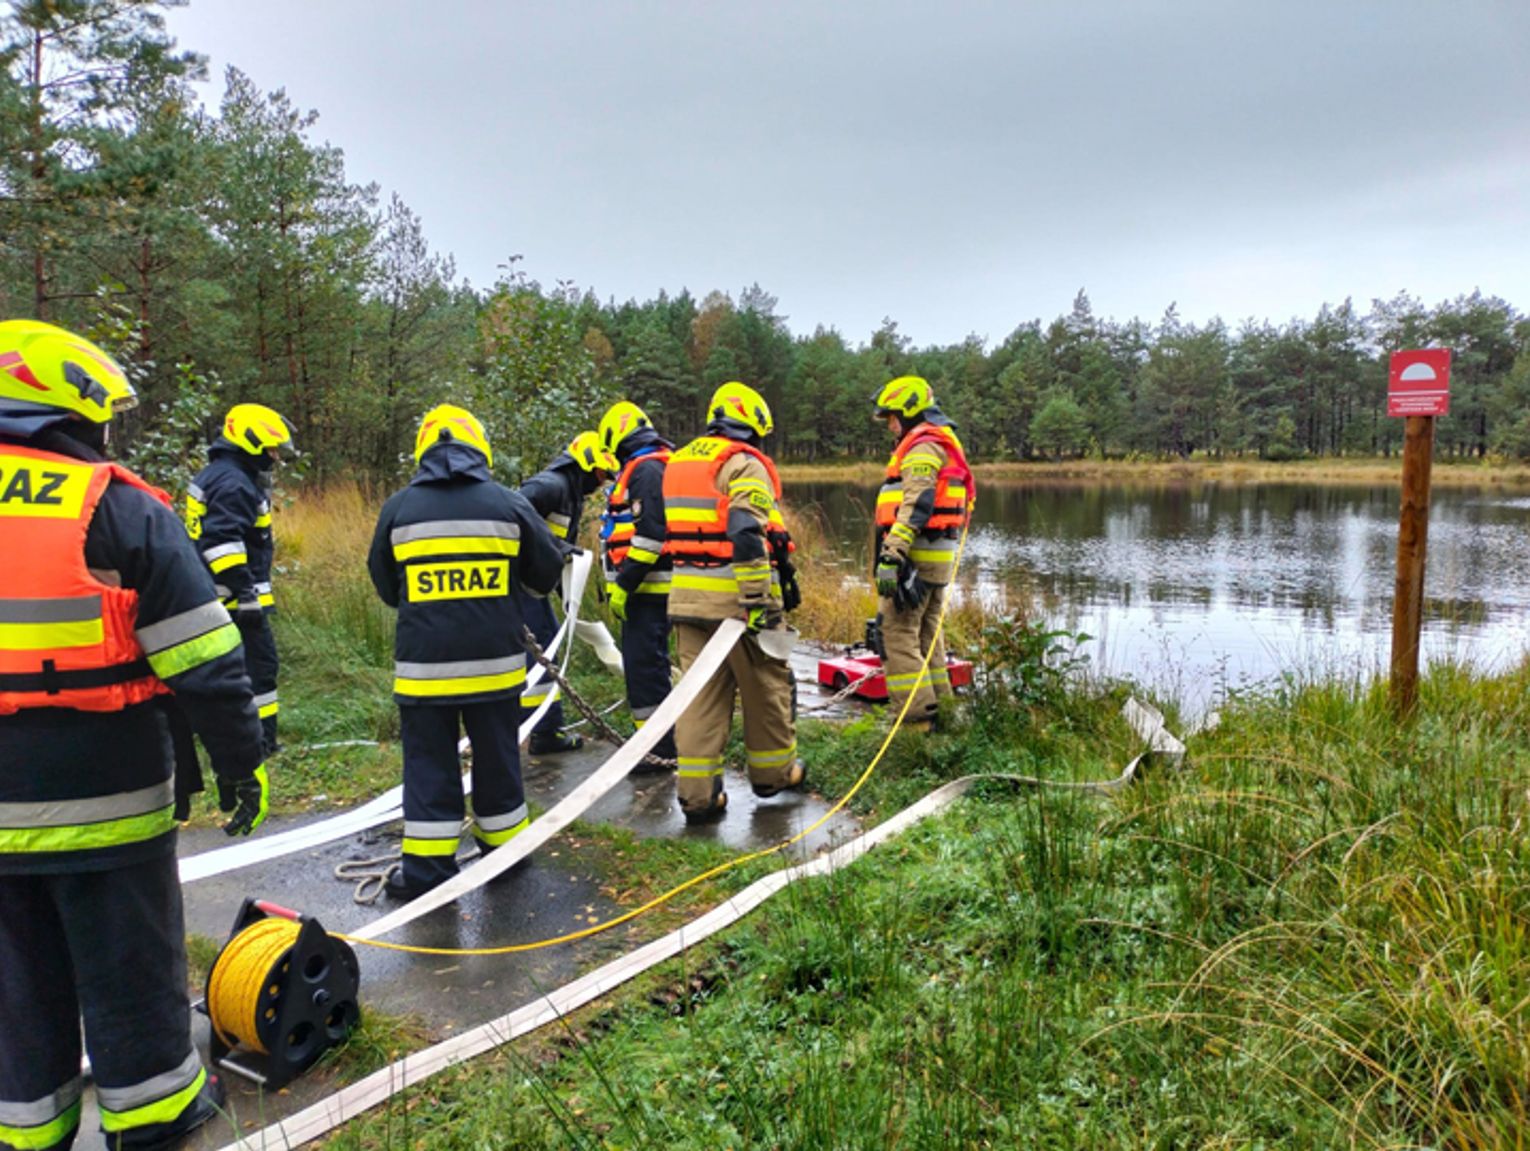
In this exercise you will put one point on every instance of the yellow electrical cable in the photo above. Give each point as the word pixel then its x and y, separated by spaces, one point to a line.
pixel 660 900
pixel 246 981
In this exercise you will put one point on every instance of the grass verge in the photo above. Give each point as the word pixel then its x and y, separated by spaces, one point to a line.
pixel 1313 936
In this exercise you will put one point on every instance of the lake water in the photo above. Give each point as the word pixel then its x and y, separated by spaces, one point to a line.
pixel 1199 588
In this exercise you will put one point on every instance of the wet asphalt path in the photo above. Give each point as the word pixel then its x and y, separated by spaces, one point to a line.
pixel 557 891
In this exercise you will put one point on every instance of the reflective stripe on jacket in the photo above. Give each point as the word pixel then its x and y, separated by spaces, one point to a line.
pixel 66 638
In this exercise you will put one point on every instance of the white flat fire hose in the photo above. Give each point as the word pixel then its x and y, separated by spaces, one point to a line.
pixel 573 805
pixel 390 805
pixel 327 1114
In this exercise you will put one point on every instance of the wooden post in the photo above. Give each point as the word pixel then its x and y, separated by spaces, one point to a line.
pixel 1412 539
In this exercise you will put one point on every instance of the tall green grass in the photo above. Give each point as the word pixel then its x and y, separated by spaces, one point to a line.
pixel 1315 935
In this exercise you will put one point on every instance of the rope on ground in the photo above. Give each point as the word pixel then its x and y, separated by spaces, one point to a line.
pixel 372 873
pixel 595 716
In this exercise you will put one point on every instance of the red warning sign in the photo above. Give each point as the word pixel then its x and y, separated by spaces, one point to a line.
pixel 1419 383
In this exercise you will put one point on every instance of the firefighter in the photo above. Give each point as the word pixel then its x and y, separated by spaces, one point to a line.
pixel 558 492
pixel 454 552
pixel 636 566
pixel 110 610
pixel 228 515
pixel 922 507
pixel 728 543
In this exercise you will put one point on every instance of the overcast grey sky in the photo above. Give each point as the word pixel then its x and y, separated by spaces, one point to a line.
pixel 960 167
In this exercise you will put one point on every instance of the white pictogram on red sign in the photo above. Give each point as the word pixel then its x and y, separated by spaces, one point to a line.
pixel 1418 383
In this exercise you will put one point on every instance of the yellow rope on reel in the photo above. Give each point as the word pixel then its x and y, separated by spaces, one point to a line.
pixel 246 981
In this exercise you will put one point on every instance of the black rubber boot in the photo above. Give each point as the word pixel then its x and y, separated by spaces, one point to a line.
pixel 555 744
pixel 711 812
pixel 795 780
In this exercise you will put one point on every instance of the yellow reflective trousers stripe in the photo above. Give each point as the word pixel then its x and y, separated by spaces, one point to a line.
pixel 500 838
pixel 43 1135
pixel 166 1110
pixel 430 846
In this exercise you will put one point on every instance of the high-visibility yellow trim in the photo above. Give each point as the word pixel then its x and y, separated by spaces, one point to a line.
pixel 705 583
pixel 195 652
pixel 108 833
pixel 223 563
pixel 43 489
pixel 43 1135
pixel 776 758
pixel 195 510
pixel 267 599
pixel 45 636
pixel 690 515
pixel 500 838
pixel 699 766
pixel 461 579
pixel 456 545
pixel 459 685
pixel 166 1110
pixel 263 520
pixel 642 555
pixel 429 846
pixel 266 711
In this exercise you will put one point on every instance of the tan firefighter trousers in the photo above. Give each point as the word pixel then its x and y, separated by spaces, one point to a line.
pixel 906 636
pixel 764 688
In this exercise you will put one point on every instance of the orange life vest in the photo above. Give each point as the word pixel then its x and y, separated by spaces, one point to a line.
pixel 954 486
pixel 66 638
pixel 620 523
pixel 696 513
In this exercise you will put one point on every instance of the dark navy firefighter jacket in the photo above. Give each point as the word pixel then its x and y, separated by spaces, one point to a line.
pixel 451 552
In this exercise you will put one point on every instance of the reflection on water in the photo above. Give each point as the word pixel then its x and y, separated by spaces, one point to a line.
pixel 1201 587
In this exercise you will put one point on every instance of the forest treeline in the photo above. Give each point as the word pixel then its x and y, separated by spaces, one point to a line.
pixel 226 255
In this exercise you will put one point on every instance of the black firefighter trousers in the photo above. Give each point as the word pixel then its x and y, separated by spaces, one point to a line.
pixel 645 661
pixel 262 665
pixel 111 946
pixel 433 802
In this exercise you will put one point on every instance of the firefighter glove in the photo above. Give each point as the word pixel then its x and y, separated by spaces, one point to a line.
pixel 791 590
pixel 249 800
pixel 619 602
pixel 762 618
pixel 910 590
pixel 887 575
